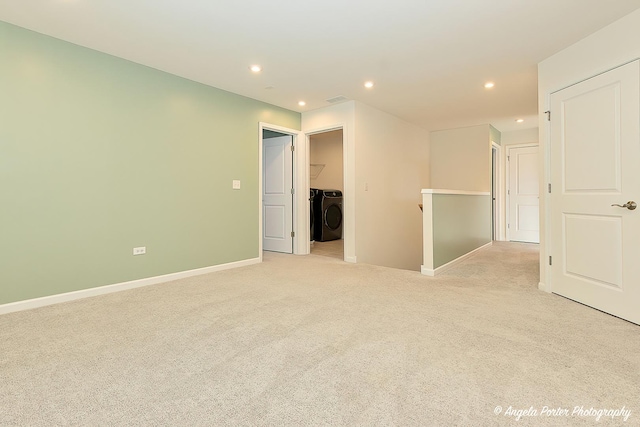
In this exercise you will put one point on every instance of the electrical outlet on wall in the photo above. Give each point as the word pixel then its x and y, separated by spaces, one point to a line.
pixel 140 250
pixel 236 184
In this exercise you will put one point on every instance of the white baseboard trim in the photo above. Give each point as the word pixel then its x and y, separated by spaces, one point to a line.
pixel 350 259
pixel 443 268
pixel 543 287
pixel 427 271
pixel 108 289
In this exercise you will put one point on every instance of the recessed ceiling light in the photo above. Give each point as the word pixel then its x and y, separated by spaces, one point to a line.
pixel 368 85
pixel 489 85
pixel 255 68
pixel 519 120
pixel 302 103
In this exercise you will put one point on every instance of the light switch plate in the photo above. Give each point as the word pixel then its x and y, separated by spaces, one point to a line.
pixel 236 184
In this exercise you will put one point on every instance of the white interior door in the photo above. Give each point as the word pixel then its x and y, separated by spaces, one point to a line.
pixel 277 194
pixel 524 202
pixel 595 163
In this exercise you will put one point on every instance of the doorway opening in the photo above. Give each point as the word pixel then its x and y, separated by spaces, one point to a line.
pixel 289 226
pixel 326 192
pixel 523 204
pixel 495 193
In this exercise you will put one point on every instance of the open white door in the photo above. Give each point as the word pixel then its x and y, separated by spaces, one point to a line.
pixel 277 194
pixel 595 158
pixel 523 191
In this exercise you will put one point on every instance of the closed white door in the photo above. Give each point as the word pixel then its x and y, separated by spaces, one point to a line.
pixel 524 202
pixel 595 163
pixel 277 194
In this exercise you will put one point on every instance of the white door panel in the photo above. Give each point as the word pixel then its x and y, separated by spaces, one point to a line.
pixel 277 197
pixel 592 148
pixel 524 215
pixel 595 157
pixel 274 222
pixel 602 263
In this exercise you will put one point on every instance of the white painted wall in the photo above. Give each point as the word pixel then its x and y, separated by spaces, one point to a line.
pixel 392 167
pixel 461 159
pixel 326 149
pixel 524 136
pixel 603 50
pixel 383 225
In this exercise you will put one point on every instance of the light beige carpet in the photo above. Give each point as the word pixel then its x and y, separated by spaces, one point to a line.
pixel 315 341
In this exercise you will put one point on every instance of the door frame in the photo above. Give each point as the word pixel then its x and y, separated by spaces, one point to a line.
pixel 507 208
pixel 553 156
pixel 496 183
pixel 348 198
pixel 581 71
pixel 299 232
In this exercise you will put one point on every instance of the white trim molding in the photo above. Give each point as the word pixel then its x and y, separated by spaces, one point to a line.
pixel 332 117
pixel 466 193
pixel 348 199
pixel 434 272
pixel 498 192
pixel 300 212
pixel 108 289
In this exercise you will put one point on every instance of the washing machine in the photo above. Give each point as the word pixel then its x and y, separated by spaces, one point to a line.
pixel 328 213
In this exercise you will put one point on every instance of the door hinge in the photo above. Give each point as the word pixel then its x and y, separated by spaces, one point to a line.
pixel 508 192
pixel 293 234
pixel 550 260
pixel 293 148
pixel 293 191
pixel 508 158
pixel 548 113
pixel 549 188
pixel 509 226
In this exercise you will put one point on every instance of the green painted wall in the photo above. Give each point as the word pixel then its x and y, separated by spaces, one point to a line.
pixel 461 223
pixel 99 155
pixel 496 136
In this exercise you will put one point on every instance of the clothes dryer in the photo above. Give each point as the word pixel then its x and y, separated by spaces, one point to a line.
pixel 328 213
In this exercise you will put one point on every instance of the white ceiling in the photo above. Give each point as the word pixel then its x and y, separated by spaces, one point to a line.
pixel 429 59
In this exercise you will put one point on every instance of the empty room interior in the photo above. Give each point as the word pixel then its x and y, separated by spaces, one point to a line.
pixel 330 213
